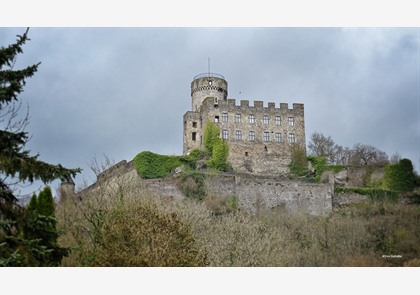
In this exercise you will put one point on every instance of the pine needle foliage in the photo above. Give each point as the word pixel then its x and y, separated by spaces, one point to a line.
pixel 17 163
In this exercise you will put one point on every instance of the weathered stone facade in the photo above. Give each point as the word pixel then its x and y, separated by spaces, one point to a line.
pixel 259 137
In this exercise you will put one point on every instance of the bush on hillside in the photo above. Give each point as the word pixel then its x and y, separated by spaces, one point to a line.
pixel 400 176
pixel 151 165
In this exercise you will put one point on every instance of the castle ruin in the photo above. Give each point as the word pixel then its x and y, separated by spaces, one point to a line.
pixel 259 137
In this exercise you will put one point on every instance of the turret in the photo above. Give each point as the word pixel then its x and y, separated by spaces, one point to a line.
pixel 208 85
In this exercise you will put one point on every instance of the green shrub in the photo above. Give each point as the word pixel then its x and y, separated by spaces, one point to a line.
pixel 400 176
pixel 320 165
pixel 194 156
pixel 299 164
pixel 374 194
pixel 151 165
pixel 211 136
pixel 192 185
pixel 219 156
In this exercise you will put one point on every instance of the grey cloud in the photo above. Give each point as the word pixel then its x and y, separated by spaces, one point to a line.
pixel 120 91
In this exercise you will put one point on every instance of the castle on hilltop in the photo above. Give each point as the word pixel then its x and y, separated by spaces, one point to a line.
pixel 259 138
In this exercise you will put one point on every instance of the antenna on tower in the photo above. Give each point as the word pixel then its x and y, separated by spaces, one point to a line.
pixel 209 65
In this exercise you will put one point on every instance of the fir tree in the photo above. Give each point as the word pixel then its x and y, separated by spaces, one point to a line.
pixel 18 164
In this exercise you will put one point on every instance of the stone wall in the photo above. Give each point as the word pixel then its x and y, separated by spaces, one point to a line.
pixel 259 136
pixel 263 193
pixel 254 194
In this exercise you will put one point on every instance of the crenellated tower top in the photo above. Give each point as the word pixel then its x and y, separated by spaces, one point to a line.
pixel 208 85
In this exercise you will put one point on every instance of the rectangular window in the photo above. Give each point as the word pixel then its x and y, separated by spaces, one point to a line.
pixel 290 121
pixel 224 117
pixel 278 120
pixel 265 119
pixel 251 136
pixel 291 138
pixel 225 134
pixel 278 137
pixel 238 118
pixel 194 124
pixel 216 119
pixel 194 136
pixel 266 136
pixel 238 135
pixel 251 119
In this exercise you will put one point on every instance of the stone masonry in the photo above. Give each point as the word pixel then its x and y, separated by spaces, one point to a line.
pixel 259 137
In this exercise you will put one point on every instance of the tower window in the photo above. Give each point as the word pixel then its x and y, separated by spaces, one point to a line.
pixel 290 121
pixel 194 136
pixel 194 124
pixel 216 119
pixel 266 136
pixel 238 118
pixel 238 135
pixel 278 120
pixel 251 136
pixel 265 119
pixel 225 117
pixel 292 138
pixel 225 134
pixel 246 154
pixel 251 119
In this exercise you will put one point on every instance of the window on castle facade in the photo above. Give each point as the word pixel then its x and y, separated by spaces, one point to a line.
pixel 278 137
pixel 290 121
pixel 238 135
pixel 278 120
pixel 251 136
pixel 194 124
pixel 225 134
pixel 194 136
pixel 265 119
pixel 216 119
pixel 238 118
pixel 292 138
pixel 266 136
pixel 251 119
pixel 224 117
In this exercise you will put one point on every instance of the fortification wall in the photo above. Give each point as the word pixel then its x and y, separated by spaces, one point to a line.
pixel 263 193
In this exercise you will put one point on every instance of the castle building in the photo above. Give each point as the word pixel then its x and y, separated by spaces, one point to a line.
pixel 259 137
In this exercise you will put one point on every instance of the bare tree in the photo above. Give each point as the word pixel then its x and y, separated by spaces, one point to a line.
pixel 364 154
pixel 395 158
pixel 342 155
pixel 320 145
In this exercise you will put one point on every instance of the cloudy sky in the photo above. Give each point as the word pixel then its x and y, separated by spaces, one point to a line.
pixel 120 91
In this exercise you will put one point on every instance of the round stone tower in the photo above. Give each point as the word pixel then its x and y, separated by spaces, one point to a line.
pixel 207 85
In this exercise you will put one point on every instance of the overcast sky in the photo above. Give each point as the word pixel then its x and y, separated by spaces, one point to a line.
pixel 120 91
